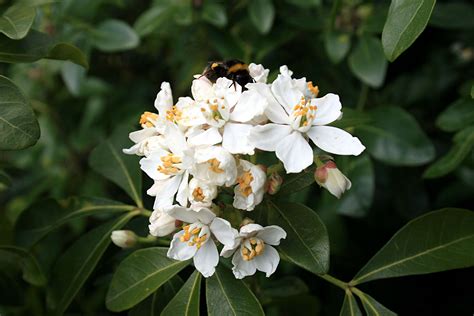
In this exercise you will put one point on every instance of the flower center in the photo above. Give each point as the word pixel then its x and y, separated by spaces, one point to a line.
pixel 251 248
pixel 213 112
pixel 198 194
pixel 148 118
pixel 303 114
pixel 244 183
pixel 195 235
pixel 170 164
pixel 214 165
pixel 174 114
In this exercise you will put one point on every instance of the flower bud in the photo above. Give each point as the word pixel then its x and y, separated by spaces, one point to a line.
pixel 330 177
pixel 274 182
pixel 124 238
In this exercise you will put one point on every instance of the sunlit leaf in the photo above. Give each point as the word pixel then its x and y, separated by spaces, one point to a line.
pixel 16 21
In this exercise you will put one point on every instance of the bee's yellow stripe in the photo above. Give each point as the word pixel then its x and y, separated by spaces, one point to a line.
pixel 237 67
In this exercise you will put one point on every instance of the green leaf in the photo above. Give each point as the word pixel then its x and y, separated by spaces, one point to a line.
pixel 367 61
pixel 350 306
pixel 337 46
pixel 405 22
pixel 388 142
pixel 16 21
pixel 372 307
pixel 108 160
pixel 18 125
pixel 186 302
pixel 113 36
pixel 262 14
pixel 437 241
pixel 5 181
pixel 307 243
pixel 152 19
pixel 305 3
pixel 139 275
pixel 45 216
pixel 37 45
pixel 457 116
pixel 463 144
pixel 225 295
pixel 352 118
pixel 214 13
pixel 32 271
pixel 295 182
pixel 456 15
pixel 77 263
pixel 155 304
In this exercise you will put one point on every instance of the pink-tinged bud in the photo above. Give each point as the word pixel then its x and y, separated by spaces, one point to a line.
pixel 124 238
pixel 274 182
pixel 330 177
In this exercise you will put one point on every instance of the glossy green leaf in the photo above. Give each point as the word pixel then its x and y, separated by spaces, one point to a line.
pixel 463 145
pixel 455 15
pixel 113 36
pixel 457 116
pixel 350 306
pixel 18 125
pixel 32 271
pixel 16 21
pixel 45 216
pixel 152 19
pixel 405 22
pixel 437 241
pixel 186 302
pixel 367 61
pixel 337 46
pixel 108 160
pixel 262 15
pixel 395 138
pixel 214 13
pixel 352 118
pixel 37 45
pixel 139 275
pixel 295 182
pixel 307 242
pixel 225 295
pixel 77 263
pixel 372 307
pixel 156 303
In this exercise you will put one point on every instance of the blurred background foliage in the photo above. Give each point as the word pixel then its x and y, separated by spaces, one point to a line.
pixel 415 115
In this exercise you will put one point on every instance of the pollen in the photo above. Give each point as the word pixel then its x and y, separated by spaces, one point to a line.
pixel 313 89
pixel 191 236
pixel 169 164
pixel 244 183
pixel 198 194
pixel 147 119
pixel 252 248
pixel 174 114
pixel 214 165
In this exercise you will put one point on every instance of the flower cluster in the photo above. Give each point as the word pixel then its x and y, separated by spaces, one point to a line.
pixel 196 147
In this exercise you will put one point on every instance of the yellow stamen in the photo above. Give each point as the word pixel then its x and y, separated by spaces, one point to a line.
pixel 214 165
pixel 198 194
pixel 147 119
pixel 313 89
pixel 244 183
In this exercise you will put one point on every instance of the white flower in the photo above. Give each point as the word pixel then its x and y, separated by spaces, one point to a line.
pixel 228 112
pixel 201 193
pixel 296 117
pixel 124 238
pixel 253 250
pixel 195 240
pixel 161 224
pixel 214 165
pixel 146 141
pixel 258 73
pixel 251 186
pixel 330 177
pixel 169 168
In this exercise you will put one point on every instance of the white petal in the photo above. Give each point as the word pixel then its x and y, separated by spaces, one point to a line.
pixel 267 261
pixel 258 72
pixel 189 215
pixel 183 190
pixel 165 191
pixel 161 224
pixel 241 267
pixel 272 234
pixel 328 109
pixel 201 137
pixel 236 139
pixel 250 105
pixel 224 232
pixel 274 111
pixel 201 89
pixel 285 93
pixel 180 250
pixel 227 251
pixel 140 135
pixel 250 228
pixel 207 258
pixel 267 137
pixel 132 150
pixel 335 140
pixel 175 139
pixel 164 99
pixel 150 164
pixel 295 152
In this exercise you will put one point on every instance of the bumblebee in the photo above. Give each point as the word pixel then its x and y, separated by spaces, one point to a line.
pixel 233 69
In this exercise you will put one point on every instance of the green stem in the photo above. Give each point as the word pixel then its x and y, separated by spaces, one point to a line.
pixel 333 280
pixel 332 19
pixel 362 97
pixel 144 212
pixel 152 240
